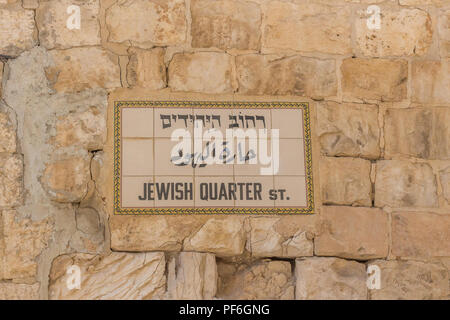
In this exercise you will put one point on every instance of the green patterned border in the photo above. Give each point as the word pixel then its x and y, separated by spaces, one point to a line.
pixel 118 105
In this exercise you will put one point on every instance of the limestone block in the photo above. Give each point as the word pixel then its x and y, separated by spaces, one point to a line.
pixel 8 141
pixel 146 68
pixel 430 81
pixel 16 291
pixel 444 34
pixel 18 30
pixel 444 176
pixel 11 175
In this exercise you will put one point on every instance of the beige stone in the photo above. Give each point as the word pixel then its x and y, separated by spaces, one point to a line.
pixel 444 176
pixel 66 180
pixel 266 240
pixel 417 132
pixel 346 181
pixel 265 279
pixel 146 68
pixel 53 19
pixel 270 75
pixel 353 233
pixel 405 184
pixel 11 185
pixel 374 79
pixel 430 81
pixel 307 27
pixel 402 32
pixel 117 276
pixel 24 240
pixel 79 69
pixel 444 34
pixel 192 275
pixel 30 4
pixel 207 72
pixel 348 129
pixel 226 24
pixel 7 131
pixel 411 280
pixel 330 279
pixel 18 30
pixel 423 2
pixel 1 77
pixel 16 291
pixel 420 235
pixel 146 23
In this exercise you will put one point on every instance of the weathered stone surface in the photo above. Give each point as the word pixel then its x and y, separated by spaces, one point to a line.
pixel 207 72
pixel 82 128
pixel 307 27
pixel 24 240
pixel 348 129
pixel 403 32
pixel 444 176
pixel 430 81
pixel 270 75
pixel 423 2
pixel 444 34
pixel 264 279
pixel 354 233
pixel 11 174
pixel 52 19
pixel 30 4
pixel 405 184
pixel 330 279
pixel 118 276
pixel 18 30
pixel 79 69
pixel 266 240
pixel 66 180
pixel 420 235
pixel 225 24
pixel 146 68
pixel 374 79
pixel 146 22
pixel 417 132
pixel 411 280
pixel 346 181
pixel 87 220
pixel 222 236
pixel 192 275
pixel 7 131
pixel 15 291
pixel 1 77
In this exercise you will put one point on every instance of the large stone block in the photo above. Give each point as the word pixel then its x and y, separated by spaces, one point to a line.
pixel 444 176
pixel 16 291
pixel 348 129
pixel 117 276
pixel 353 233
pixel 374 79
pixel 444 34
pixel 330 279
pixel 226 24
pixel 307 27
pixel 18 30
pixel 53 21
pixel 420 235
pixel 417 132
pixel 8 141
pixel 401 183
pixel 11 175
pixel 430 81
pixel 146 68
pixel 270 75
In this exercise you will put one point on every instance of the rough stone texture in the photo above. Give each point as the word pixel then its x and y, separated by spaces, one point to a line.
pixel 30 4
pixel 66 180
pixel 7 131
pixel 118 276
pixel 420 235
pixel 146 68
pixel 296 75
pixel 405 184
pixel 11 175
pixel 430 81
pixel 52 17
pixel 346 181
pixel 24 240
pixel 18 30
pixel 307 27
pixel 437 3
pixel 225 24
pixel 207 72
pixel 15 291
pixel 1 77
pixel 444 176
pixel 267 240
pixel 353 233
pixel 444 33
pixel 418 132
pixel 374 79
pixel 146 22
pixel 403 32
pixel 411 280
pixel 263 280
pixel 348 129
pixel 330 279
pixel 192 275
pixel 79 69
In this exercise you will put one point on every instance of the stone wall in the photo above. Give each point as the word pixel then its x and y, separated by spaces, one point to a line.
pixel 382 112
